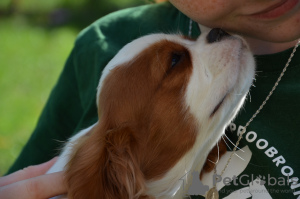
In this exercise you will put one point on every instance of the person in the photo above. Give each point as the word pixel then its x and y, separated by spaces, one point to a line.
pixel 268 163
pixel 31 183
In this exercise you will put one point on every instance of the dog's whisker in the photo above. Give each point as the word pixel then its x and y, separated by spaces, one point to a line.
pixel 60 141
pixel 249 94
pixel 212 161
pixel 233 143
pixel 243 108
pixel 218 152
pixel 226 144
pixel 218 155
pixel 186 172
pixel 239 157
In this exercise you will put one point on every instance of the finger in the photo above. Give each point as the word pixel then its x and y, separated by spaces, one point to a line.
pixel 26 173
pixel 45 186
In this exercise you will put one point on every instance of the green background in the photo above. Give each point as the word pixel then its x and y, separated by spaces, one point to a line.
pixel 36 38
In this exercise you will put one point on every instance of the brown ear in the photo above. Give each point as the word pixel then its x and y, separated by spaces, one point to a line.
pixel 106 166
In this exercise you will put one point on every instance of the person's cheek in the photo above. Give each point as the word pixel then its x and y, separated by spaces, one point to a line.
pixel 209 13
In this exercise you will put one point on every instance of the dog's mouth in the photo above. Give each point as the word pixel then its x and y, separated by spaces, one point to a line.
pixel 218 106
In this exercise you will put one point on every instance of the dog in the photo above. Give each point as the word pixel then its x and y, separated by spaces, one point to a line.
pixel 163 103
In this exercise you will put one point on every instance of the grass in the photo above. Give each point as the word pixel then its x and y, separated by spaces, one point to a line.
pixel 31 59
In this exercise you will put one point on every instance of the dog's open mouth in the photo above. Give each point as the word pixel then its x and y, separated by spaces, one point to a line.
pixel 218 106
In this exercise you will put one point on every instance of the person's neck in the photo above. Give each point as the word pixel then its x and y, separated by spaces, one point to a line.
pixel 259 47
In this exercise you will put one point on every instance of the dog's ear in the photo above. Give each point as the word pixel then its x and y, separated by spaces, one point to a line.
pixel 106 166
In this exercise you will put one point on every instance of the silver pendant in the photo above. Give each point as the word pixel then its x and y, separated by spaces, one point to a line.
pixel 212 194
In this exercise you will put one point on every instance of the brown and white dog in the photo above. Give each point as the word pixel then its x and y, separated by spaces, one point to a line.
pixel 163 103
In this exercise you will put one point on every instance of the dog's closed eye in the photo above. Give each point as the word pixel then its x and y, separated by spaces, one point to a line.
pixel 175 59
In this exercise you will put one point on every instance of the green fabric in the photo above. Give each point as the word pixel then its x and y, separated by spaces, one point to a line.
pixel 72 103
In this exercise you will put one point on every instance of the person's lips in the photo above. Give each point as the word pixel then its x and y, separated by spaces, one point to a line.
pixel 276 10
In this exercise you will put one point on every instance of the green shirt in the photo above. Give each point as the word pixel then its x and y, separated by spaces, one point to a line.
pixel 72 103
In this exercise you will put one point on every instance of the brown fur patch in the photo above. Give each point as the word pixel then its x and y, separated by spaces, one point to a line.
pixel 144 127
pixel 188 38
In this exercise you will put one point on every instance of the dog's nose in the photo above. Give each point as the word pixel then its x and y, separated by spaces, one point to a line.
pixel 215 35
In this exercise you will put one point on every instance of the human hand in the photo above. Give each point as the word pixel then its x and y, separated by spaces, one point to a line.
pixel 33 183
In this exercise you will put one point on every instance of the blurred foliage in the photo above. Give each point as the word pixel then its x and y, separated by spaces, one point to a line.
pixel 35 40
pixel 78 13
pixel 31 59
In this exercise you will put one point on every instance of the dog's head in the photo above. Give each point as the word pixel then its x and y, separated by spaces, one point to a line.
pixel 161 99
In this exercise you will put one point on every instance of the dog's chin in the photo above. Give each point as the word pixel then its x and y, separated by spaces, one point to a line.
pixel 237 89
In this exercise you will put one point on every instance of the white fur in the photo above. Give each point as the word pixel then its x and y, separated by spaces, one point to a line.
pixel 225 67
pixel 219 69
pixel 67 151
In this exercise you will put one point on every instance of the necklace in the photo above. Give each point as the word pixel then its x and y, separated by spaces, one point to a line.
pixel 213 192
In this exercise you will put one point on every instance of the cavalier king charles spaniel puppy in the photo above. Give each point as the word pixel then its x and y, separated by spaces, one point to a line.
pixel 163 103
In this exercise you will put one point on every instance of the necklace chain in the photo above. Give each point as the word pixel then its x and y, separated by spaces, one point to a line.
pixel 275 85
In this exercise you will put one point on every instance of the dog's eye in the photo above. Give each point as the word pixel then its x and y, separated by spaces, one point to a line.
pixel 175 59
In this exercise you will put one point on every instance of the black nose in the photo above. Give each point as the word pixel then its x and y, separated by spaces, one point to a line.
pixel 215 35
